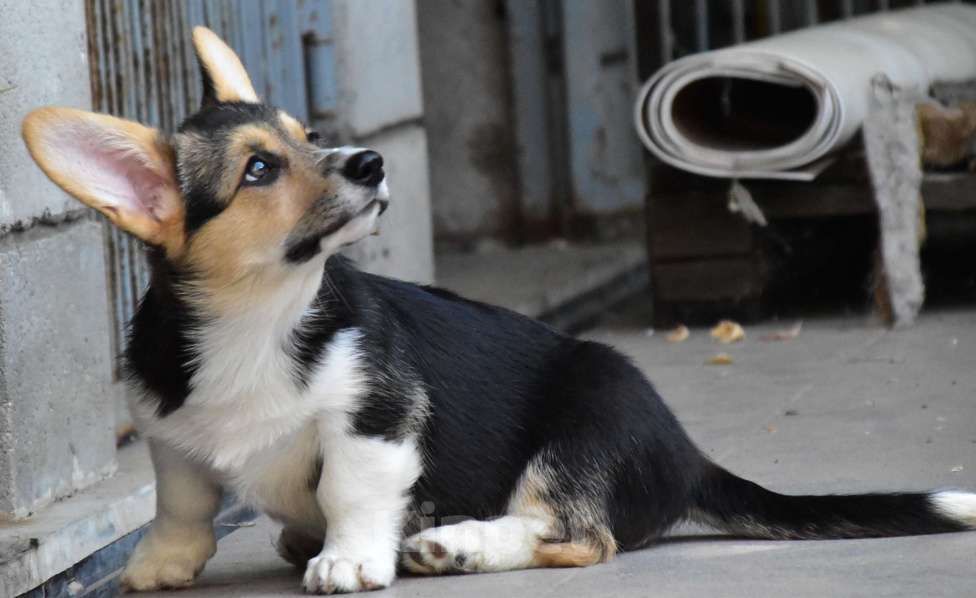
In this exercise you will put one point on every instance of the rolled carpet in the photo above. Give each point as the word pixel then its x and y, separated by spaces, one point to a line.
pixel 776 107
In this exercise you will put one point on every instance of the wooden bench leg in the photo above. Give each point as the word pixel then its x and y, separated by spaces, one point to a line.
pixel 893 151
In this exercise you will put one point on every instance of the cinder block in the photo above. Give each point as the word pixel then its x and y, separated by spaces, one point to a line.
pixel 378 64
pixel 404 247
pixel 469 119
pixel 56 408
pixel 45 63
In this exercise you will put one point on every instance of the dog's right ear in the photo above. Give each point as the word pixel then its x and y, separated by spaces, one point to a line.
pixel 122 169
pixel 224 76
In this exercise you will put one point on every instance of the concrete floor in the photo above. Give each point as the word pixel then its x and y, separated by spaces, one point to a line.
pixel 536 279
pixel 845 406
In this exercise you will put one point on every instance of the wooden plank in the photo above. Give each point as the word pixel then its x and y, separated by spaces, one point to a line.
pixel 697 224
pixel 784 200
pixel 949 191
pixel 712 280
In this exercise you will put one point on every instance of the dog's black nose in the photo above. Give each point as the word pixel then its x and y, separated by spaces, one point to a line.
pixel 365 168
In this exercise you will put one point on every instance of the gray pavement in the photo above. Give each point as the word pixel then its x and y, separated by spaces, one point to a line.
pixel 845 406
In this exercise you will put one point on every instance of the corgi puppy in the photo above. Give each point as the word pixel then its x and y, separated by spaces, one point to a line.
pixel 360 411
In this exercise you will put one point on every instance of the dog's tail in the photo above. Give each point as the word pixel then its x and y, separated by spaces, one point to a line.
pixel 741 507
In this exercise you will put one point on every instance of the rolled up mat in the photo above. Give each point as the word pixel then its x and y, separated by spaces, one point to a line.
pixel 775 107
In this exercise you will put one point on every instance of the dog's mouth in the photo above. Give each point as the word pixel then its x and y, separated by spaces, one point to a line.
pixel 382 202
pixel 303 245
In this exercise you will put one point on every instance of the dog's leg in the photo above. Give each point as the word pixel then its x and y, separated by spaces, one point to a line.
pixel 504 544
pixel 181 538
pixel 297 546
pixel 545 527
pixel 363 493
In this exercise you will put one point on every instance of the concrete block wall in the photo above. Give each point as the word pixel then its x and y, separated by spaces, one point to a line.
pixel 50 68
pixel 380 106
pixel 467 92
pixel 56 410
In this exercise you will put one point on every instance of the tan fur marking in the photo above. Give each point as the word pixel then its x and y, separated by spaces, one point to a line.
pixel 567 554
pixel 234 249
pixel 243 142
pixel 292 126
pixel 582 522
pixel 529 494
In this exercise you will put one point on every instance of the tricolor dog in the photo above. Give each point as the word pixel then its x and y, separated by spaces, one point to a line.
pixel 350 407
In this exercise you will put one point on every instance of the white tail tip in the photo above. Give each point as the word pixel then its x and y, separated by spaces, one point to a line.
pixel 958 506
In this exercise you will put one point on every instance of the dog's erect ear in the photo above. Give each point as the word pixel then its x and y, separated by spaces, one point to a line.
pixel 224 77
pixel 121 168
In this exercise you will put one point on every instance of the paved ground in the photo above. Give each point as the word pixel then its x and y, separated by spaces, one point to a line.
pixel 537 279
pixel 846 406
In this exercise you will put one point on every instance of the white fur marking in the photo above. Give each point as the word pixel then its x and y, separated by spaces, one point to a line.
pixel 357 228
pixel 502 544
pixel 959 506
pixel 246 416
pixel 363 494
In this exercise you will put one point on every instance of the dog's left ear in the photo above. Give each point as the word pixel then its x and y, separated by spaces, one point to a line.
pixel 122 169
pixel 224 77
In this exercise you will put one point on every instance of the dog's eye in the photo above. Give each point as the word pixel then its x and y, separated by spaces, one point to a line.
pixel 312 136
pixel 257 171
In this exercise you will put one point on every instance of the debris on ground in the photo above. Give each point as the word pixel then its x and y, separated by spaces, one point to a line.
pixel 720 359
pixel 786 334
pixel 957 469
pixel 727 332
pixel 680 333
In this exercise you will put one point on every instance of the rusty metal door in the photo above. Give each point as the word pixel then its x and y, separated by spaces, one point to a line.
pixel 142 68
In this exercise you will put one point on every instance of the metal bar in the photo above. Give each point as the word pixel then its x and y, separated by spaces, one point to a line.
pixel 137 86
pixel 191 16
pixel 151 64
pixel 173 110
pixel 701 25
pixel 738 21
pixel 112 51
pixel 774 16
pixel 666 33
pixel 252 53
pixel 320 62
pixel 847 8
pixel 287 57
pixel 810 12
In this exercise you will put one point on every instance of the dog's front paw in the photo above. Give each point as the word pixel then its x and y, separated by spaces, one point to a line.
pixel 167 564
pixel 333 574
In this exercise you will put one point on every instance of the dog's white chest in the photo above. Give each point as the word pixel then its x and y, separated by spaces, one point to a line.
pixel 251 420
